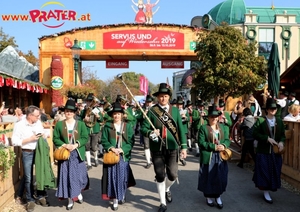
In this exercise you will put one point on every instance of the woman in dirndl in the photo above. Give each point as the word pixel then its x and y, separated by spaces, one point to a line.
pixel 269 132
pixel 213 138
pixel 72 173
pixel 118 137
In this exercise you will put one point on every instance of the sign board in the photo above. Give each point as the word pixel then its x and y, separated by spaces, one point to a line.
pixel 193 45
pixel 57 82
pixel 87 45
pixel 143 39
pixel 172 64
pixel 117 63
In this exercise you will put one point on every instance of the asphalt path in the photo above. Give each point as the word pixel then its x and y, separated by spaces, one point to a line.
pixel 241 194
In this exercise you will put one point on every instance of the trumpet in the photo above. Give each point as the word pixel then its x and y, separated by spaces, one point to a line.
pixel 91 118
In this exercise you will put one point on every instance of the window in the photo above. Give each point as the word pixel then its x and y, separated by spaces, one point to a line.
pixel 265 41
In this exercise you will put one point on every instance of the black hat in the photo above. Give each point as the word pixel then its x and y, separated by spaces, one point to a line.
pixel 149 98
pixel 293 94
pixel 212 111
pixel 179 100
pixel 285 93
pixel 90 97
pixel 164 88
pixel 221 103
pixel 70 105
pixel 271 103
pixel 200 103
pixel 189 103
pixel 174 102
pixel 116 107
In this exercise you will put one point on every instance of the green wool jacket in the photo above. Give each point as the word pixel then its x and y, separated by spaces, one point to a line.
pixel 131 119
pixel 60 136
pixel 97 127
pixel 205 141
pixel 109 140
pixel 45 178
pixel 186 123
pixel 261 133
pixel 171 143
pixel 197 119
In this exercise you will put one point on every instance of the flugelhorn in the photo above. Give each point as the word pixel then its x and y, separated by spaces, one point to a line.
pixel 119 76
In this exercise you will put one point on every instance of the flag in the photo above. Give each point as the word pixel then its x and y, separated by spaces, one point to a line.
pixel 144 85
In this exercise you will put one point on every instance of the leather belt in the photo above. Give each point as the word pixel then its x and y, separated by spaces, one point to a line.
pixel 28 150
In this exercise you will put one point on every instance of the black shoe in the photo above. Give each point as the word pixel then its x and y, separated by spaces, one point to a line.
pixel 162 208
pixel 183 162
pixel 190 149
pixel 197 155
pixel 100 155
pixel 240 165
pixel 220 206
pixel 210 204
pixel 89 167
pixel 268 201
pixel 114 208
pixel 169 196
pixel 148 165
pixel 121 202
pixel 43 202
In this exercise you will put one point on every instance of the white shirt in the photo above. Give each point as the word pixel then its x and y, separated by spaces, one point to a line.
pixel 23 130
pixel 290 117
pixel 163 107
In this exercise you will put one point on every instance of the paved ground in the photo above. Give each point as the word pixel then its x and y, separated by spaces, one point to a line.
pixel 241 195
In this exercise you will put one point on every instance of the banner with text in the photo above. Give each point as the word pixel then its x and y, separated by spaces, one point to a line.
pixel 143 39
pixel 172 64
pixel 117 64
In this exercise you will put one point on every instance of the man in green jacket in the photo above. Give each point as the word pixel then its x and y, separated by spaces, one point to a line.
pixel 166 140
pixel 92 117
pixel 224 118
pixel 198 115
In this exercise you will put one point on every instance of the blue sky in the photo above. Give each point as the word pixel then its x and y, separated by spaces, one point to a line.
pixel 103 12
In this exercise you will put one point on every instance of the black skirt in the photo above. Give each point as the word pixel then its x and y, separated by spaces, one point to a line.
pixel 213 177
pixel 267 171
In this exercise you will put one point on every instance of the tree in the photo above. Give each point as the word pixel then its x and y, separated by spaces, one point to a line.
pixel 30 57
pixel 6 40
pixel 230 66
pixel 89 78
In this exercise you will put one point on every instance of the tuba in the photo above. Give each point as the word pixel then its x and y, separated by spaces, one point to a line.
pixel 91 118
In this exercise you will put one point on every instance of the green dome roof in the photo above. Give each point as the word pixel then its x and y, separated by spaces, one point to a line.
pixel 230 11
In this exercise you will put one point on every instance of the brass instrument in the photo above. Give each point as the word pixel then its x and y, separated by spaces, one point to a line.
pixel 124 101
pixel 90 118
pixel 107 107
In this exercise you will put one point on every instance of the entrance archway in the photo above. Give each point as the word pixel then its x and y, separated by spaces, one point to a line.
pixel 135 42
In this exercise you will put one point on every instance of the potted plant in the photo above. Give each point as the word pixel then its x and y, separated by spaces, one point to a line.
pixel 77 91
pixel 7 160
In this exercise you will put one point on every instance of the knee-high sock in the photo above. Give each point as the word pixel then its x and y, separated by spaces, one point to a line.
pixel 197 147
pixel 161 188
pixel 168 184
pixel 88 158
pixel 95 155
pixel 101 148
pixel 189 143
pixel 148 155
